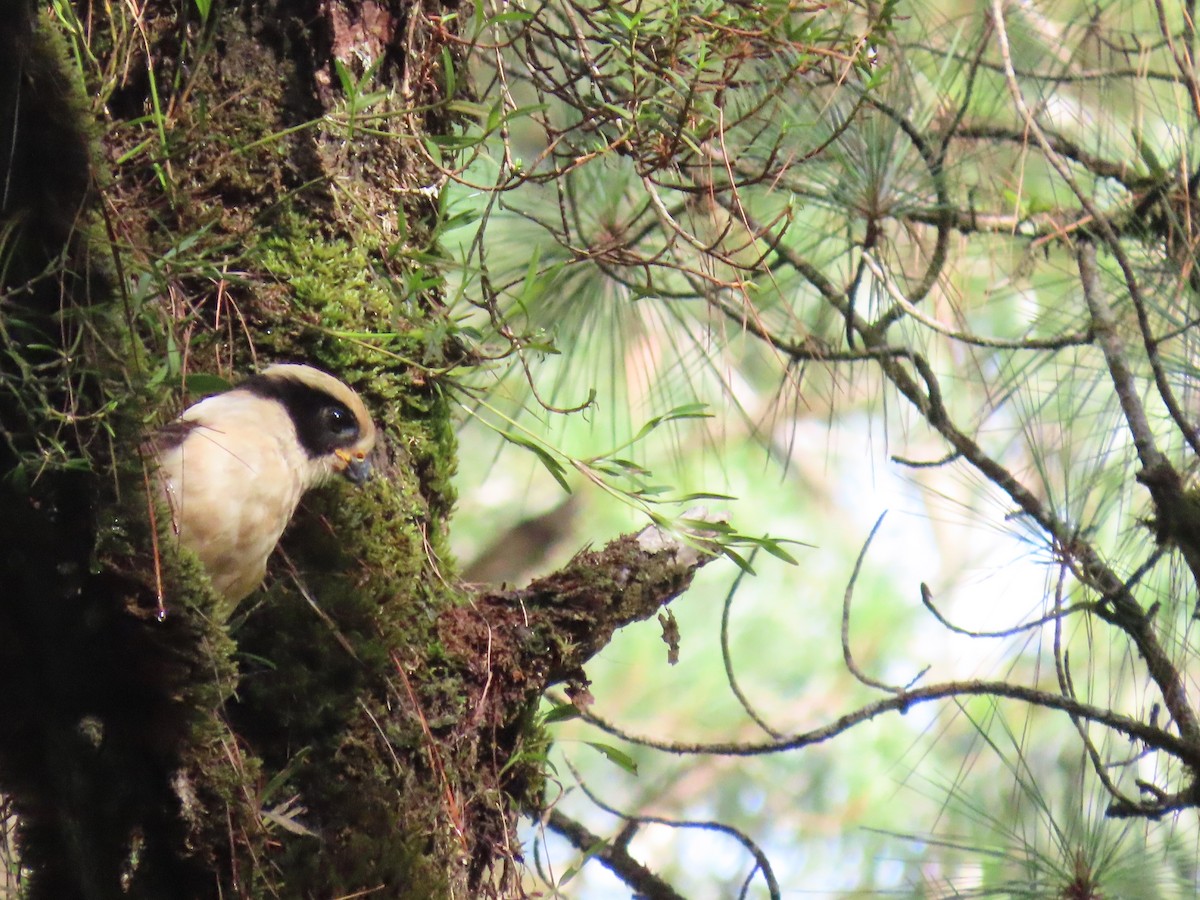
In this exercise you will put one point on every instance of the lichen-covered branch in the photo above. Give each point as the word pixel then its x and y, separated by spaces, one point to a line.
pixel 614 855
pixel 521 642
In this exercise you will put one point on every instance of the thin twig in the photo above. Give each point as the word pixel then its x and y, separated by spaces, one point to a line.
pixel 1069 339
pixel 1062 670
pixel 1152 735
pixel 730 678
pixel 946 460
pixel 1057 615
pixel 1105 328
pixel 762 863
pixel 847 596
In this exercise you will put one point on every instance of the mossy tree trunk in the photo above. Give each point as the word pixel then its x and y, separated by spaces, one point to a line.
pixel 192 191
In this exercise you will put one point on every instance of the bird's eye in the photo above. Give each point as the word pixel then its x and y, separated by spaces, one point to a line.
pixel 340 421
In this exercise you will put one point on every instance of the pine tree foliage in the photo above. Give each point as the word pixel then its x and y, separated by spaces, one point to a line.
pixel 971 226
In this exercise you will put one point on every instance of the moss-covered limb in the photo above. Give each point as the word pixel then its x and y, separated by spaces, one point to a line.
pixel 613 855
pixel 576 610
pixel 467 701
pixel 518 643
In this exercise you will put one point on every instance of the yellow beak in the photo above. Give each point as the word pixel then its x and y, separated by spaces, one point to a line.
pixel 355 466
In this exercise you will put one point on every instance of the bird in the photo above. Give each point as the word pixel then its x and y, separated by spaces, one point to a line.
pixel 234 466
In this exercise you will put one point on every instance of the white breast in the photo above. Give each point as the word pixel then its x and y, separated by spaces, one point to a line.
pixel 232 486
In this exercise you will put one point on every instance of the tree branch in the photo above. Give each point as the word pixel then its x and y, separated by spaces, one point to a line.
pixel 515 644
pixel 614 856
pixel 1151 735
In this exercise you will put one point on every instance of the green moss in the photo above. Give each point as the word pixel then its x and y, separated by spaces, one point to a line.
pixel 341 307
pixel 342 313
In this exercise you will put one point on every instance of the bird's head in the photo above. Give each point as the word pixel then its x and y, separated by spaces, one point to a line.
pixel 332 424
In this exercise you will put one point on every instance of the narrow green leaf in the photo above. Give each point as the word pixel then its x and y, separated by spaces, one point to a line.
pixel 717 527
pixel 448 73
pixel 653 490
pixel 703 495
pixel 345 76
pixel 738 560
pixel 629 466
pixel 552 465
pixel 613 755
pixel 772 547
pixel 564 712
